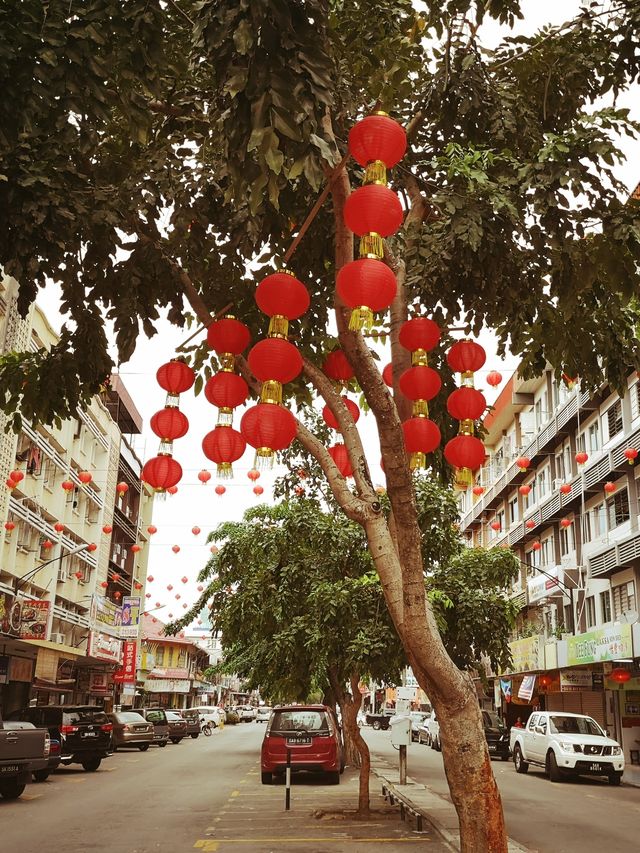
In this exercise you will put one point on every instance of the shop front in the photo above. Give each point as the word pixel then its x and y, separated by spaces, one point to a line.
pixel 516 688
pixel 169 689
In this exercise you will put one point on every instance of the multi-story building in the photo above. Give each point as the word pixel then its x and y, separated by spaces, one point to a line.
pixel 68 574
pixel 559 490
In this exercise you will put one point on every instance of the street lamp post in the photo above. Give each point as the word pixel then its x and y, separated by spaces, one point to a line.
pixel 19 582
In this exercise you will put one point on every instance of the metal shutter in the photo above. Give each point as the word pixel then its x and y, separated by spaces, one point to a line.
pixel 593 706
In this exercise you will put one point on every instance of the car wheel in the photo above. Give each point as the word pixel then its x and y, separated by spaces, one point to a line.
pixel 615 778
pixel 267 778
pixel 41 775
pixel 162 744
pixel 176 739
pixel 376 725
pixel 505 756
pixel 518 761
pixel 333 778
pixel 143 747
pixel 11 790
pixel 552 767
pixel 91 764
pixel 195 735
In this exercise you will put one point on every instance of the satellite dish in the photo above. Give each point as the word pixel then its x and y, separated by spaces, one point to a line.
pixel 629 617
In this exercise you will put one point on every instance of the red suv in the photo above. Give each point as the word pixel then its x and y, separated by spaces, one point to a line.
pixel 310 732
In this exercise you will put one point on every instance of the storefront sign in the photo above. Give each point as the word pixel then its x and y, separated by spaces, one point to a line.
pixel 99 683
pixel 20 669
pixel 576 680
pixel 526 655
pixel 127 675
pixel 104 647
pixel 167 685
pixel 600 645
pixel 34 620
pixel 4 669
pixel 106 616
pixel 130 617
pixel 544 585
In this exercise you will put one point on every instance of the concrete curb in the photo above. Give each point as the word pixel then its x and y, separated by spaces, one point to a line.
pixel 435 809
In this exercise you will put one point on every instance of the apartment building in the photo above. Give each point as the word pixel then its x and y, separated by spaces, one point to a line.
pixel 558 489
pixel 71 584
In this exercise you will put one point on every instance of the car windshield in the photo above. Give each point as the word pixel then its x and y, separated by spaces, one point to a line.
pixel 171 715
pixel 491 720
pixel 304 720
pixel 128 717
pixel 156 716
pixel 574 726
pixel 85 715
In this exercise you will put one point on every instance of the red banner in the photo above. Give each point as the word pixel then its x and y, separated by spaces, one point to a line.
pixel 127 675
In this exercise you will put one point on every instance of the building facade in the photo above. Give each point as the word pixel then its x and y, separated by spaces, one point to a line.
pixel 559 489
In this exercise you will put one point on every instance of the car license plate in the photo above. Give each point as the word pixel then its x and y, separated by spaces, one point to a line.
pixel 492 747
pixel 297 741
pixel 10 768
pixel 89 734
pixel 596 768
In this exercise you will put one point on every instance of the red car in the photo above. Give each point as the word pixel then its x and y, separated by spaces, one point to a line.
pixel 310 732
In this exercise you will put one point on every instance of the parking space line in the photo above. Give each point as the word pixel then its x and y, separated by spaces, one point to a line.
pixel 206 845
pixel 315 839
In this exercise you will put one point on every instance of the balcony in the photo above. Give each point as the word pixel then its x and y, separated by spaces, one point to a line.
pixel 615 557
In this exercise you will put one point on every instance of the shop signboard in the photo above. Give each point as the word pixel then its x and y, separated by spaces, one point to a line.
pixel 526 655
pixel 544 585
pixel 130 617
pixel 98 683
pixel 127 675
pixel 104 647
pixel 576 680
pixel 167 685
pixel 601 644
pixel 106 616
pixel 34 619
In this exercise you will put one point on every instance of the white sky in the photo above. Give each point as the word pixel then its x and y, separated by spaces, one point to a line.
pixel 196 504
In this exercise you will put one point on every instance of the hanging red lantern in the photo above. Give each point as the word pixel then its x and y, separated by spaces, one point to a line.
pixel 58 527
pixel 85 477
pixel 545 681
pixel 337 367
pixel 387 375
pixel 117 595
pixel 200 588
pixel 224 445
pixel 67 485
pixel 11 484
pixel 494 378
pixel 92 547
pixel 530 524
pixel 104 584
pixel 478 490
pixel 466 357
pixel 282 297
pixel 536 546
pixel 420 334
pixel 220 490
pixel 420 383
pixel 377 138
pixel 17 476
pixel 178 596
pixel 373 209
pixel 253 475
pixel 421 436
pixel 620 675
pixel 565 522
pixel 9 525
pixel 464 403
pixel 338 453
pixel 214 549
pixel 329 417
pixel 299 491
pixel 581 457
pixel 565 488
pixel 524 489
pixel 195 531
pixel 274 362
pixel 175 377
pixel 135 549
pixel 137 585
pixel 258 490
pixel 147 595
pixel 151 529
pixel 630 454
pixel 150 578
pixel 168 424
pixel 495 525
pixel 158 604
pixel 204 476
pixel 226 391
pixel 122 489
pixel 228 337
pixel 465 451
pixel 367 286
pixel 268 428
pixel 107 528
pixel 115 577
pixel 609 487
pixel 172 490
pixel 162 472
pixel 523 462
pixel 175 549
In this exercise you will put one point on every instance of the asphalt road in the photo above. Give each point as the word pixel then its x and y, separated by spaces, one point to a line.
pixel 202 794
pixel 586 816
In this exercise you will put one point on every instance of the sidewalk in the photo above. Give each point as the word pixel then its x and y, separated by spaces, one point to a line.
pixel 417 799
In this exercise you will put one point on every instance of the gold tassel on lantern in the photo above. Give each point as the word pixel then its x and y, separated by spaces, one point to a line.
pixel 419 358
pixel 264 458
pixel 278 327
pixel 361 318
pixel 271 392
pixel 420 409
pixel 371 246
pixel 418 460
pixel 463 479
pixel 225 417
pixel 375 173
pixel 225 471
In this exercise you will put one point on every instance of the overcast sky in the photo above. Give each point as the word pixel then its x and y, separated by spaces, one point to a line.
pixel 196 504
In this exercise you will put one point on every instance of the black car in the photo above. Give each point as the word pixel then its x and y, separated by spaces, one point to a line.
pixel 84 731
pixel 496 734
pixel 193 721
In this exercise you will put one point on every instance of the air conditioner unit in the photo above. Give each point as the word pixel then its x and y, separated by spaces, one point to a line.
pixel 59 638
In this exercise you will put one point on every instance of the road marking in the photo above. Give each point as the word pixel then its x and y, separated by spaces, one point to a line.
pixel 242 782
pixel 234 794
pixel 205 844
pixel 30 796
pixel 77 781
pixel 312 839
pixel 109 769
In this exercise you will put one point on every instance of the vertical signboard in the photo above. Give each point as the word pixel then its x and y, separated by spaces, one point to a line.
pixel 130 623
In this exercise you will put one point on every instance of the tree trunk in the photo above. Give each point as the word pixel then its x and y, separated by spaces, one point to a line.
pixel 350 704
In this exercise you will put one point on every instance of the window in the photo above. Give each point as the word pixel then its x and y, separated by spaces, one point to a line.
pixel 605 605
pixel 568 617
pixel 513 510
pixel 561 473
pixel 614 418
pixel 530 500
pixel 182 657
pixel 591 611
pixel 618 509
pixel 160 656
pixel 594 523
pixel 532 559
pixel 546 552
pixel 543 482
pixel 566 540
pixel 624 598
pixel 593 434
pixel 49 473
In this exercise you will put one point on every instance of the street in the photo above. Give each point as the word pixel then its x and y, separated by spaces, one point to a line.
pixel 587 815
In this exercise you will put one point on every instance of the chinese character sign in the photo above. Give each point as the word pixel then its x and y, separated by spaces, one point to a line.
pixel 127 675
pixel 130 617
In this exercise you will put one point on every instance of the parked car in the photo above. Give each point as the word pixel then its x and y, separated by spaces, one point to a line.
pixel 211 714
pixel 381 720
pixel 496 735
pixel 417 718
pixel 246 713
pixel 24 750
pixel 131 729
pixel 158 719
pixel 434 732
pixel 566 745
pixel 263 713
pixel 423 729
pixel 310 733
pixel 177 726
pixel 192 719
pixel 84 731
pixel 43 773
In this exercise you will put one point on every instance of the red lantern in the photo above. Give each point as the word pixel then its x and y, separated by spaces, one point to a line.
pixel 9 525
pixel 107 528
pixel 282 297
pixel 104 584
pixel 226 390
pixel 565 488
pixel 421 436
pixel 524 489
pixel 220 490
pixel 581 457
pixel 176 550
pixel 253 475
pixel 178 596
pixel 67 485
pixel 172 490
pixel 135 549
pixel 495 525
pixel 275 359
pixel 147 595
pixel 162 472
pixel 228 335
pixel 195 531
pixel 420 333
pixel 137 585
pixel 151 529
pixel 214 549
pixel 168 424
pixel 223 445
pixel 150 578
pixel 85 477
pixel 609 488
pixel 329 417
pixel 464 404
pixel 115 577
pixel 420 383
pixel 17 476
pixel 630 454
pixel 373 209
pixel 545 681
pixel 620 675
pixel 338 453
pixel 478 490
pixel 377 137
pixel 122 489
pixel 11 484
pixel 465 451
pixel 523 462
pixel 536 546
pixel 175 377
pixel 299 491
pixel 258 490
pixel 58 527
pixel 92 547
pixel 530 524
pixel 494 378
pixel 117 595
pixel 466 357
pixel 337 367
pixel 387 375
pixel 565 522
pixel 204 476
pixel 268 428
pixel 367 286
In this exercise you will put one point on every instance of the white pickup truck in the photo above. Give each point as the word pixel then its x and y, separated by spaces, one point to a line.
pixel 566 745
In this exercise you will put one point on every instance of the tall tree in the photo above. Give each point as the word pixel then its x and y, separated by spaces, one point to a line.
pixel 151 152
